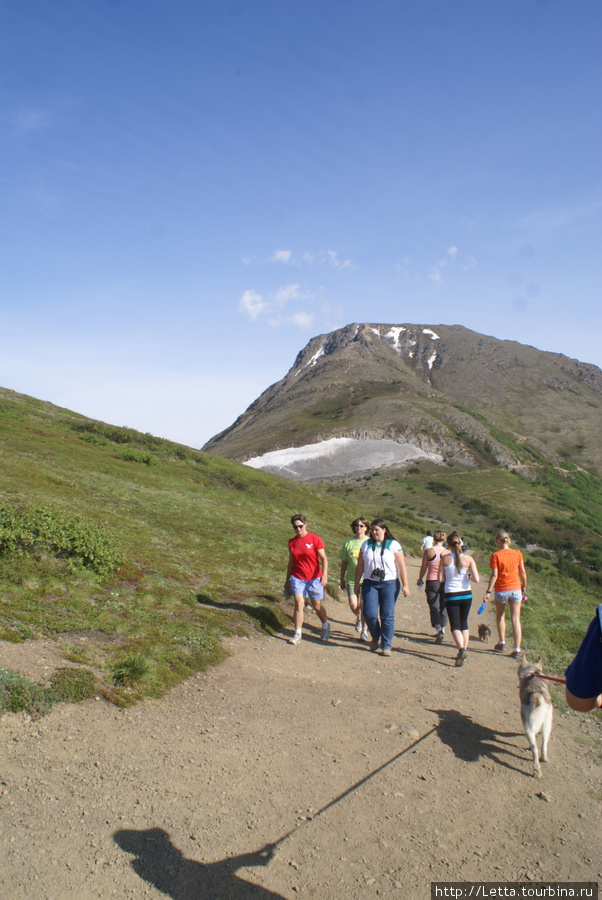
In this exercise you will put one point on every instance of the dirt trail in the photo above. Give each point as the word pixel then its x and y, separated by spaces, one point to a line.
pixel 323 770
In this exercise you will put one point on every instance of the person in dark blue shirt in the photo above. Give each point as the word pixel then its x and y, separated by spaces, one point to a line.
pixel 584 675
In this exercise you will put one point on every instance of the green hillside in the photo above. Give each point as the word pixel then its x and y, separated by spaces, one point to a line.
pixel 137 555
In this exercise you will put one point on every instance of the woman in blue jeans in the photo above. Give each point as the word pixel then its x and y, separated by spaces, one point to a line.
pixel 383 566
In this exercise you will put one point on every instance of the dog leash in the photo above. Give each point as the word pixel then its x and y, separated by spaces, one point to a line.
pixel 548 677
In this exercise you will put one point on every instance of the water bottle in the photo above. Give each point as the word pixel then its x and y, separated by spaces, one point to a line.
pixel 481 608
pixel 420 585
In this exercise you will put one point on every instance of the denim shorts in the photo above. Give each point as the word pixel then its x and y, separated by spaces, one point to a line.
pixel 514 596
pixel 312 588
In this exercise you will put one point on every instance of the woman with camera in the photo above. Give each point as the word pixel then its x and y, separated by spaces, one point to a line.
pixel 382 564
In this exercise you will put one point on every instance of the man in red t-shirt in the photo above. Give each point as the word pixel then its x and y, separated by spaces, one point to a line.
pixel 307 575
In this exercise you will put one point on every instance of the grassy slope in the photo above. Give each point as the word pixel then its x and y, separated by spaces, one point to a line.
pixel 203 542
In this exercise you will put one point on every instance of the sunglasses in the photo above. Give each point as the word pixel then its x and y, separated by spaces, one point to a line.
pixel 297 527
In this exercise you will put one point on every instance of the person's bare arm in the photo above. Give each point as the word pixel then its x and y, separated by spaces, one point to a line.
pixel 402 572
pixel 441 572
pixel 522 574
pixel 583 705
pixel 492 580
pixel 474 572
pixel 423 566
pixel 323 565
pixel 358 573
pixel 289 569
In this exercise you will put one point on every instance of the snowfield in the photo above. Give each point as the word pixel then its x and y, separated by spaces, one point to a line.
pixel 337 457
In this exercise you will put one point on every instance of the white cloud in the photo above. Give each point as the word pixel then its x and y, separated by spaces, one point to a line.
pixel 311 259
pixel 283 256
pixel 289 292
pixel 271 307
pixel 333 259
pixel 448 260
pixel 30 120
pixel 302 319
pixel 252 304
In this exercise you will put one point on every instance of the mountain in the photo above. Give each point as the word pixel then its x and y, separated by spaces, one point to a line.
pixel 441 391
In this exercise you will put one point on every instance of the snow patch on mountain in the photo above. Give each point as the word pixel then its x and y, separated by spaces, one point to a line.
pixel 337 457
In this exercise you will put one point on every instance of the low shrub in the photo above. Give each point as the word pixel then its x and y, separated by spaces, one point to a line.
pixel 139 456
pixel 35 530
pixel 69 685
pixel 18 694
pixel 131 669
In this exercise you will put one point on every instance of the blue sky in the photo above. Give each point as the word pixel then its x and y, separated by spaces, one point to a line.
pixel 191 191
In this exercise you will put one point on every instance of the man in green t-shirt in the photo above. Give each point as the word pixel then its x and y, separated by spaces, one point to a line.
pixel 349 555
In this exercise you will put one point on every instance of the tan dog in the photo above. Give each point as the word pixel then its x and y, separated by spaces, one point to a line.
pixel 535 709
pixel 484 632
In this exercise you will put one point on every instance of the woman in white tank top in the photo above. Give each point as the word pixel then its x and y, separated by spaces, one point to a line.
pixel 456 571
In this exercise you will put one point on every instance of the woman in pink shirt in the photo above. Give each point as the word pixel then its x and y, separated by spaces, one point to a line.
pixel 434 588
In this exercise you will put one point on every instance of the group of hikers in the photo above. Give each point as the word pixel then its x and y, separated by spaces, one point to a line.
pixel 373 573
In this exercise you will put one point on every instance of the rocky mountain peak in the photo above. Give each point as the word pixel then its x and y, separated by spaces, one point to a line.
pixel 441 389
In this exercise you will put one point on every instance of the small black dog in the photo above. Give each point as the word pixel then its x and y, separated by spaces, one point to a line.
pixel 484 632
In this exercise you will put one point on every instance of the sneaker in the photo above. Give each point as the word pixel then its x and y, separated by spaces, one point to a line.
pixel 461 658
pixel 296 638
pixel 440 637
pixel 386 651
pixel 374 643
pixel 501 645
pixel 325 633
pixel 358 624
pixel 516 654
pixel 365 635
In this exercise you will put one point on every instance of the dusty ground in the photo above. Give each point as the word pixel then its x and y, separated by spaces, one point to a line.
pixel 323 770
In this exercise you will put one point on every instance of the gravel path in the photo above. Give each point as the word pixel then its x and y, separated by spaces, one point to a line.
pixel 323 770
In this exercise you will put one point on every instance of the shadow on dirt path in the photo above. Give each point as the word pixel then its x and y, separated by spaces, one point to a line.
pixel 472 741
pixel 161 864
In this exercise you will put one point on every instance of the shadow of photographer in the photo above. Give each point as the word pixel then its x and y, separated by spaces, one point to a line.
pixel 159 863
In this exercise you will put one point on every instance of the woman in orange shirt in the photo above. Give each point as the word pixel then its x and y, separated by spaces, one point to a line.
pixel 510 580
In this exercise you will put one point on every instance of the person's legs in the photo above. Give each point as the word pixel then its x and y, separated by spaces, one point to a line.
pixel 500 620
pixel 299 611
pixel 387 597
pixel 354 601
pixel 442 606
pixel 320 611
pixel 355 605
pixel 432 591
pixel 516 626
pixel 464 611
pixel 370 607
pixel 453 611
